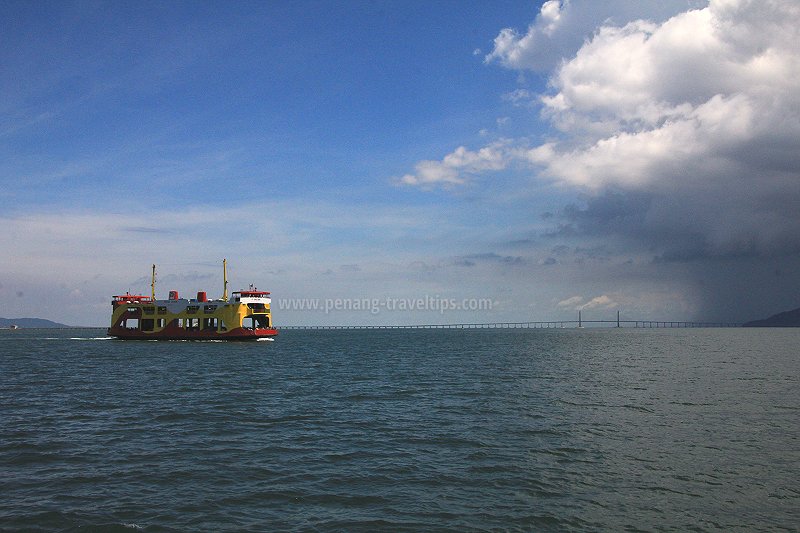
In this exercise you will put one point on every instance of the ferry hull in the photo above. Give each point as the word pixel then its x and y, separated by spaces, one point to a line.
pixel 177 334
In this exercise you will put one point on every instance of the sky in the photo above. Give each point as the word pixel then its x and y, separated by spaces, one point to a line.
pixel 403 162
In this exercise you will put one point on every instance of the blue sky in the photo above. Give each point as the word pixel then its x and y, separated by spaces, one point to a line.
pixel 549 156
pixel 266 98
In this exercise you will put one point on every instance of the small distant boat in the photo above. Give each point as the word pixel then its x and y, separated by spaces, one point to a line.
pixel 13 326
pixel 245 316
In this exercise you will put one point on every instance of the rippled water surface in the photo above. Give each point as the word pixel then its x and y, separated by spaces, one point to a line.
pixel 403 430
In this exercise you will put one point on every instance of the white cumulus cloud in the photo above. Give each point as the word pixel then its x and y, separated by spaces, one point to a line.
pixel 579 303
pixel 454 167
pixel 700 110
pixel 570 303
pixel 561 27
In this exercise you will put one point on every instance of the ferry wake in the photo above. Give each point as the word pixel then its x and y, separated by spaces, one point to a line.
pixel 245 316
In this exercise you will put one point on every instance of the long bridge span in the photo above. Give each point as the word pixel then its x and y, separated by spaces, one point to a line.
pixel 537 325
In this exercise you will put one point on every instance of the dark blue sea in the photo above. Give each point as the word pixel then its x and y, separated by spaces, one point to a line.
pixel 403 430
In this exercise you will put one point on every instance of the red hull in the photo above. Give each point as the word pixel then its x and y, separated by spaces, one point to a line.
pixel 179 334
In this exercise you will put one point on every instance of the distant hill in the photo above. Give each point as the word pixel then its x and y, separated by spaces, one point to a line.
pixel 789 319
pixel 30 323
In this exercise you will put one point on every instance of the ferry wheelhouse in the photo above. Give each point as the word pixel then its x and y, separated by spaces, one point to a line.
pixel 245 316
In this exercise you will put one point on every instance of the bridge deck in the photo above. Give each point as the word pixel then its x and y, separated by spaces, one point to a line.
pixel 536 325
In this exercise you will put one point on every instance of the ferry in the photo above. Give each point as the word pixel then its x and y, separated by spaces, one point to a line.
pixel 244 316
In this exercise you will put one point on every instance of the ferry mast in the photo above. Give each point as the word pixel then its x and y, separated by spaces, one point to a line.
pixel 153 284
pixel 225 279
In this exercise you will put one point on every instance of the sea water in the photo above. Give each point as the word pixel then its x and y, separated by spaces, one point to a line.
pixel 403 430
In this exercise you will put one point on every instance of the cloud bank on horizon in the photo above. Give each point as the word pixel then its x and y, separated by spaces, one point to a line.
pixel 598 156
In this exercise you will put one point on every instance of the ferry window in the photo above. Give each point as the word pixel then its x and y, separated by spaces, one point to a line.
pixel 149 310
pixel 162 310
pixel 255 322
pixel 161 322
